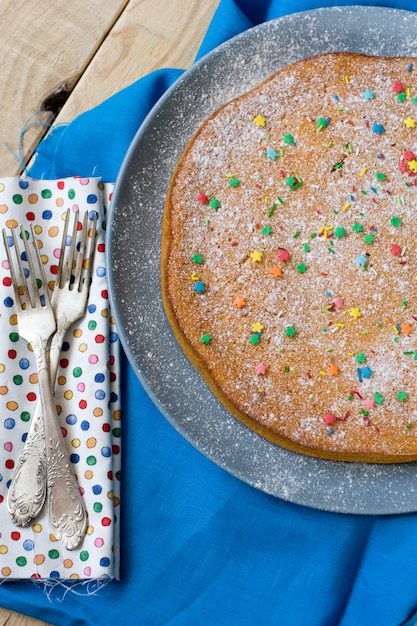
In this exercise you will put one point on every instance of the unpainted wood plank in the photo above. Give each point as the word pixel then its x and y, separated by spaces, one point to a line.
pixel 44 45
pixel 10 618
pixel 150 34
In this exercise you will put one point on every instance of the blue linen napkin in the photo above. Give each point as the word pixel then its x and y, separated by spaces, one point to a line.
pixel 198 546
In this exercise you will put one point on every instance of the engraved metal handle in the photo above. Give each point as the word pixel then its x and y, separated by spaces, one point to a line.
pixel 27 492
pixel 66 512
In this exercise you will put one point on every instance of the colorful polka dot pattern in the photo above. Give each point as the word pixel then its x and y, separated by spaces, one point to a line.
pixel 87 390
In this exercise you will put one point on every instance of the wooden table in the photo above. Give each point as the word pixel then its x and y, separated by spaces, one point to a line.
pixel 66 57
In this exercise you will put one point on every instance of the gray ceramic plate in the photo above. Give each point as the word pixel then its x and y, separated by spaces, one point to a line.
pixel 134 242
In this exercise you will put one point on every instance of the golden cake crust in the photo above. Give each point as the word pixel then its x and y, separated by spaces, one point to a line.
pixel 289 266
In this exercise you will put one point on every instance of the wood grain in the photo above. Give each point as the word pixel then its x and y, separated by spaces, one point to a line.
pixel 44 44
pixel 88 50
pixel 10 618
pixel 150 34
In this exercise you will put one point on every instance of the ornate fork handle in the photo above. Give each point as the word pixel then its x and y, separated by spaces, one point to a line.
pixel 27 492
pixel 67 515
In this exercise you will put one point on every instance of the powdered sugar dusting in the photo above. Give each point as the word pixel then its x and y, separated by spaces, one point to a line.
pixel 297 168
pixel 176 388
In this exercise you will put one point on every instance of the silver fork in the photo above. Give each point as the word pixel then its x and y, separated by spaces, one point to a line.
pixel 36 320
pixel 27 492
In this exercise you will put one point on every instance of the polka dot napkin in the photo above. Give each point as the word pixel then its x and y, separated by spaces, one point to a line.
pixel 86 392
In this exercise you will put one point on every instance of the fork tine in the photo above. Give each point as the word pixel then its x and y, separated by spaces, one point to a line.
pixel 82 270
pixel 77 252
pixel 60 279
pixel 11 268
pixel 32 272
pixel 91 249
pixel 23 278
pixel 35 243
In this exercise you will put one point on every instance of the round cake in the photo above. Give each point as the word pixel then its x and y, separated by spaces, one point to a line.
pixel 289 257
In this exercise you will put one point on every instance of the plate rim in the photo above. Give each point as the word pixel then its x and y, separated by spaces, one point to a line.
pixel 123 175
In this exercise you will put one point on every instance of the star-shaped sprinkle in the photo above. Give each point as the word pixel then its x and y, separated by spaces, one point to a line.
pixel 366 372
pixel 288 139
pixel 369 404
pixel 410 122
pixel 261 369
pixel 339 303
pixel 214 203
pixel 259 120
pixel 239 302
pixel 271 153
pixel 197 258
pixel 256 256
pixel 362 260
pixel 378 397
pixel 254 339
pixel 322 123
pixel 332 370
pixel 408 155
pixel 395 221
pixel 205 339
pixel 257 327
pixel 199 286
pixel 339 232
pixel 290 331
pixel 406 328
pixel 355 312
pixel 202 198
pixel 397 87
pixel 368 238
pixel 360 358
pixel 329 419
pixel 378 129
pixel 276 271
pixel 412 165
pixel 234 182
pixel 368 94
pixel 267 230
pixel 357 228
pixel 301 268
pixel 283 254
pixel 395 249
pixel 402 396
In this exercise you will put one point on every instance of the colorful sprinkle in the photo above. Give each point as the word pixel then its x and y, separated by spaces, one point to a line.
pixel 368 94
pixel 256 256
pixel 290 331
pixel 214 203
pixel 410 122
pixel 239 302
pixel 355 312
pixel 329 419
pixel 261 369
pixel 395 221
pixel 259 120
pixel 378 129
pixel 378 398
pixel 199 286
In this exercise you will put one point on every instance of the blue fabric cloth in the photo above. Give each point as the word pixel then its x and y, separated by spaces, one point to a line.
pixel 199 546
